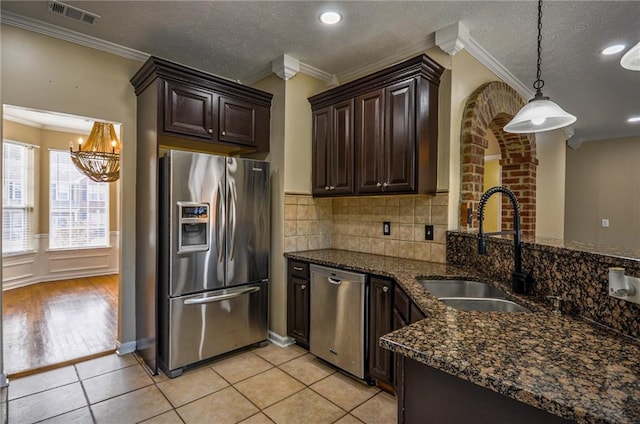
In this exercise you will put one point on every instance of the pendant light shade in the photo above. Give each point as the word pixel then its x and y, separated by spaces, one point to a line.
pixel 631 59
pixel 540 114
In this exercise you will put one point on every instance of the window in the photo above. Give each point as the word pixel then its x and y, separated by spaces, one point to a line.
pixel 17 197
pixel 78 206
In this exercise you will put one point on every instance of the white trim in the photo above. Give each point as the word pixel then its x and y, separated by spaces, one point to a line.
pixel 477 51
pixel 316 73
pixel 493 157
pixel 285 66
pixel 11 18
pixel 280 341
pixel 452 38
pixel 427 43
pixel 125 348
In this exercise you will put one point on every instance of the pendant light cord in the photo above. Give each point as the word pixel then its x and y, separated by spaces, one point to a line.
pixel 539 83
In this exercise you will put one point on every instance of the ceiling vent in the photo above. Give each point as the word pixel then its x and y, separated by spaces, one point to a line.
pixel 61 9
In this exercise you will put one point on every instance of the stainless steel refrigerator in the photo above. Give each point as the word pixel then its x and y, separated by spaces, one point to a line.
pixel 214 232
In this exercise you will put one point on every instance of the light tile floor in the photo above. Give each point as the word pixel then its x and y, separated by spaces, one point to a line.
pixel 261 385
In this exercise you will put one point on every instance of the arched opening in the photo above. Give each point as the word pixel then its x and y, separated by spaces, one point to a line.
pixel 487 110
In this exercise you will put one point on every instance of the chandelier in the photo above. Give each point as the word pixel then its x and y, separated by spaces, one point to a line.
pixel 99 157
pixel 540 114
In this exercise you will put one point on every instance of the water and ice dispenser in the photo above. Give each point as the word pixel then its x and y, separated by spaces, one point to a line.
pixel 193 227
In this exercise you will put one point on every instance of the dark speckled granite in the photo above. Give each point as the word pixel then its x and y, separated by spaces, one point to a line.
pixel 561 364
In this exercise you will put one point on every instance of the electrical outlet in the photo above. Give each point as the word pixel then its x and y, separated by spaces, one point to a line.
pixel 428 232
pixel 605 223
pixel 386 228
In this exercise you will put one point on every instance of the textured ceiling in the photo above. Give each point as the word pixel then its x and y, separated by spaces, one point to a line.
pixel 237 39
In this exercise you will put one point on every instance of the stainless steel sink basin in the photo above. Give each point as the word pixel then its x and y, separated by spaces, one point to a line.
pixel 483 304
pixel 461 288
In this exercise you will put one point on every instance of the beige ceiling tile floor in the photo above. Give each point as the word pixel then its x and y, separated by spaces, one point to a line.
pixel 79 416
pixel 104 364
pixel 192 385
pixel 381 409
pixel 344 391
pixel 43 405
pixel 42 381
pixel 240 366
pixel 350 419
pixel 269 387
pixel 226 406
pixel 307 368
pixel 304 407
pixel 115 383
pixel 259 418
pixel 277 355
pixel 131 407
pixel 170 417
pixel 300 390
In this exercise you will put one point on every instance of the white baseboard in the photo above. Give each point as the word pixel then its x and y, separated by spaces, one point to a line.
pixel 58 277
pixel 126 347
pixel 280 341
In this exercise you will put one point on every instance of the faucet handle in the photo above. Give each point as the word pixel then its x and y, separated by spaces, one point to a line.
pixel 557 304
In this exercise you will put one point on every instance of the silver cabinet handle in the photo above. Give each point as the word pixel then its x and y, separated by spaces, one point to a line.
pixel 302 287
pixel 334 281
pixel 385 185
pixel 220 297
pixel 210 131
pixel 385 289
pixel 326 187
pixel 297 268
pixel 332 188
pixel 224 133
pixel 379 185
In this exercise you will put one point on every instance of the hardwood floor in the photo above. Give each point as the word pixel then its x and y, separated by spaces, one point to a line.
pixel 57 322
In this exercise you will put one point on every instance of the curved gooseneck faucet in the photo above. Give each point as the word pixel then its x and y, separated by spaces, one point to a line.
pixel 519 280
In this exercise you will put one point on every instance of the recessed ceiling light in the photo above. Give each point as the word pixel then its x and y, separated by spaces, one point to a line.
pixel 634 119
pixel 330 18
pixel 613 49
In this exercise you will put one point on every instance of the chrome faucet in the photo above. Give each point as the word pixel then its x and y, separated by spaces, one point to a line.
pixel 519 280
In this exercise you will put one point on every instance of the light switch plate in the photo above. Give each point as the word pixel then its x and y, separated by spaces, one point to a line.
pixel 605 223
pixel 386 228
pixel 428 232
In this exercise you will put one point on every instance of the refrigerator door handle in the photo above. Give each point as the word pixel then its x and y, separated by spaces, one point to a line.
pixel 232 219
pixel 220 223
pixel 225 296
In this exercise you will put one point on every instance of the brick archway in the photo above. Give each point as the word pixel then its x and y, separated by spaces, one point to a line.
pixel 489 108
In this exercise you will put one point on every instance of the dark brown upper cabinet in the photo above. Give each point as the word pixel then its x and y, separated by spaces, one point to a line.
pixel 332 173
pixel 395 130
pixel 199 111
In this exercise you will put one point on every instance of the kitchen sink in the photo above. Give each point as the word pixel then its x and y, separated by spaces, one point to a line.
pixel 461 288
pixel 468 295
pixel 483 304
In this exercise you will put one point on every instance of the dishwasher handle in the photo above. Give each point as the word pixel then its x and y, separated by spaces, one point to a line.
pixel 334 281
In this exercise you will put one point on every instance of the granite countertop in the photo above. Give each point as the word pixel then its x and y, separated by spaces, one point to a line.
pixel 560 364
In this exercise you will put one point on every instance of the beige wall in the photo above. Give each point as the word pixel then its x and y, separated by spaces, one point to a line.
pixel 45 73
pixel 492 218
pixel 49 139
pixel 298 122
pixel 550 179
pixel 602 183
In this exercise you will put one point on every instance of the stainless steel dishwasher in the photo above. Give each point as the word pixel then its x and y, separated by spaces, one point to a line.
pixel 337 328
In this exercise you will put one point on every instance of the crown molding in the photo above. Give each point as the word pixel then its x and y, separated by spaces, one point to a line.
pixel 55 31
pixel 285 66
pixel 316 73
pixel 427 43
pixel 453 38
pixel 477 51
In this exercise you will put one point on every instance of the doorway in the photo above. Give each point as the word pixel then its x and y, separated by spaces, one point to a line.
pixel 60 246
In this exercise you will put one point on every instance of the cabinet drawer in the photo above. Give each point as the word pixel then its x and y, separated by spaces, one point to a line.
pixel 402 304
pixel 299 269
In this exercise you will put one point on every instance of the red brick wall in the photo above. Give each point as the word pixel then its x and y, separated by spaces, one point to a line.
pixel 489 108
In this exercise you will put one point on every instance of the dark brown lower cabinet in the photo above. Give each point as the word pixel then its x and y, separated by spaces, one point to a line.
pixel 298 302
pixel 380 323
pixel 433 396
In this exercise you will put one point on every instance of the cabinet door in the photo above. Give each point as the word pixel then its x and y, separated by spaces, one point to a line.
pixel 238 121
pixel 370 142
pixel 380 312
pixel 341 150
pixel 322 132
pixel 400 137
pixel 188 110
pixel 298 310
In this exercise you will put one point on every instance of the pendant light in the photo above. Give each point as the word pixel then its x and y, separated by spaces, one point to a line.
pixel 99 157
pixel 540 114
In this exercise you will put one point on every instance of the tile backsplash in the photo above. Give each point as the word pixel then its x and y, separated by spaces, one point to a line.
pixel 355 224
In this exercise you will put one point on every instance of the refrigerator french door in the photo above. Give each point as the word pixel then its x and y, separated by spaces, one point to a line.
pixel 214 262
